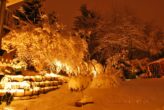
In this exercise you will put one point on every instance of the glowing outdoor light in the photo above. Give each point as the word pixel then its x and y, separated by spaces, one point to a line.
pixel 58 63
pixel 68 69
pixel 94 73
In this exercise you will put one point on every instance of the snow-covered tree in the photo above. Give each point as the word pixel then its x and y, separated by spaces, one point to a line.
pixel 153 39
pixel 41 49
pixel 125 31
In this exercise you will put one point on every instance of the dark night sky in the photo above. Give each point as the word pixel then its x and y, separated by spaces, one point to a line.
pixel 148 10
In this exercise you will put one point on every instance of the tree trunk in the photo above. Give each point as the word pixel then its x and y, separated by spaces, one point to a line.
pixel 2 17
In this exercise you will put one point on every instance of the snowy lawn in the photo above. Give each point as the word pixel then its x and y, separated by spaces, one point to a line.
pixel 139 94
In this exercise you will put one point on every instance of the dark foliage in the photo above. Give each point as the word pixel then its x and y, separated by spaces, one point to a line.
pixel 31 12
pixel 86 25
pixel 88 20
pixel 52 18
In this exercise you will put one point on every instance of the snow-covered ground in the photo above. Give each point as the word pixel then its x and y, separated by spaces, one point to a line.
pixel 139 94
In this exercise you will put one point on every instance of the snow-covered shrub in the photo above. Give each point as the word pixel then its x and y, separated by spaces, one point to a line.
pixel 104 81
pixel 79 83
